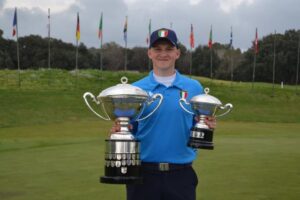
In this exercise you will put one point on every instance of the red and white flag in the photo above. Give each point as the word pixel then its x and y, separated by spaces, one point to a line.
pixel 192 41
pixel 14 31
pixel 256 42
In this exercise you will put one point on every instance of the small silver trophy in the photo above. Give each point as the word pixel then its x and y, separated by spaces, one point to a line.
pixel 123 102
pixel 203 105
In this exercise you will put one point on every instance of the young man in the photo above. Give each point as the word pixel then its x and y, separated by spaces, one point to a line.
pixel 166 159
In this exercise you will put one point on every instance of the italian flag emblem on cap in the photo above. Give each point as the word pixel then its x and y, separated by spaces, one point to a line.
pixel 183 94
pixel 163 33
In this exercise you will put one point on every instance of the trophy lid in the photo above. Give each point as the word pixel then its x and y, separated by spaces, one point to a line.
pixel 123 89
pixel 206 98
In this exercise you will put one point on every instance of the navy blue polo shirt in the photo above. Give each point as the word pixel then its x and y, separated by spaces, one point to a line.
pixel 164 135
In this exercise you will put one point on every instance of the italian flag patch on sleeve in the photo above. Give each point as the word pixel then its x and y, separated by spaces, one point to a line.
pixel 183 94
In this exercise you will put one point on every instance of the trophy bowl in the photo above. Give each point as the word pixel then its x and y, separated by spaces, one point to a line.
pixel 203 105
pixel 123 103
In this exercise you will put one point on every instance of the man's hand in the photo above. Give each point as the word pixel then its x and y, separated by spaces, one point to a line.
pixel 211 122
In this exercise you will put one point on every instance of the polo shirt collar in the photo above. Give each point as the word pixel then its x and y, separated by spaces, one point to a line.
pixel 177 82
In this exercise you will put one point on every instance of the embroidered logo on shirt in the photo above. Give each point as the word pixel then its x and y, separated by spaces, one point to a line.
pixel 183 94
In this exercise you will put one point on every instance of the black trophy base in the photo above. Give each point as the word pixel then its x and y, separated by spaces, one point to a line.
pixel 201 139
pixel 122 168
pixel 122 175
pixel 121 180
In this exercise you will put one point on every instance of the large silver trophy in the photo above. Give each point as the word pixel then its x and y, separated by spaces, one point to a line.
pixel 124 103
pixel 203 105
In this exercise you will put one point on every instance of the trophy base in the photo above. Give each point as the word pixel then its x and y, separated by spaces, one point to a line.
pixel 201 139
pixel 122 162
pixel 194 143
pixel 121 180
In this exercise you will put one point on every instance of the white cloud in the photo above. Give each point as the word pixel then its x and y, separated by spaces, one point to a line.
pixel 195 2
pixel 130 1
pixel 229 5
pixel 55 5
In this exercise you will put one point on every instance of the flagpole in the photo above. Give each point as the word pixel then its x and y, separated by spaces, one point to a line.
pixel 231 60
pixel 125 65
pixel 297 70
pixel 231 66
pixel 18 55
pixel 274 59
pixel 101 42
pixel 253 73
pixel 191 45
pixel 211 47
pixel 211 76
pixel 76 66
pixel 255 46
pixel 191 61
pixel 49 55
pixel 149 35
pixel 125 39
pixel 77 38
pixel 49 66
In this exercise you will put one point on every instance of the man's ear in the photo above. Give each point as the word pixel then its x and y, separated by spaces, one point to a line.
pixel 149 53
pixel 178 53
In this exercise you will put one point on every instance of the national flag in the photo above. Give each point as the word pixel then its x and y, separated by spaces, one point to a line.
pixel 14 32
pixel 149 32
pixel 163 33
pixel 183 94
pixel 78 28
pixel 100 33
pixel 192 42
pixel 231 40
pixel 256 42
pixel 210 42
pixel 48 26
pixel 125 29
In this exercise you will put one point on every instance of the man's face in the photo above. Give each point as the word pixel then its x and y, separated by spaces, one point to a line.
pixel 163 55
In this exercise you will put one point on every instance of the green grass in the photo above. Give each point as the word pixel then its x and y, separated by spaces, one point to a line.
pixel 64 161
pixel 51 145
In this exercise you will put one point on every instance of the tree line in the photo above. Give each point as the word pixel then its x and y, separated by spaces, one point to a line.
pixel 227 62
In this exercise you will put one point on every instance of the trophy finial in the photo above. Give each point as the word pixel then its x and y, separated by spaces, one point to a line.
pixel 206 90
pixel 124 79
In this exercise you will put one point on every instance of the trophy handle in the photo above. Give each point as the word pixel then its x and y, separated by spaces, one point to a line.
pixel 228 106
pixel 155 96
pixel 97 102
pixel 186 110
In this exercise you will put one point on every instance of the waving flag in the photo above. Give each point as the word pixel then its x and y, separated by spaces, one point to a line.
pixel 48 25
pixel 210 43
pixel 100 33
pixel 192 42
pixel 256 42
pixel 78 28
pixel 14 32
pixel 231 40
pixel 149 33
pixel 125 30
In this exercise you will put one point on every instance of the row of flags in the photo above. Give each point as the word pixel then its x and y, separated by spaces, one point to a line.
pixel 210 40
pixel 100 32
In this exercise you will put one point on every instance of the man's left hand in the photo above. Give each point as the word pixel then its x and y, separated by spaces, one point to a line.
pixel 211 122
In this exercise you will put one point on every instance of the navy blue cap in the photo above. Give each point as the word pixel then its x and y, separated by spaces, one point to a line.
pixel 163 34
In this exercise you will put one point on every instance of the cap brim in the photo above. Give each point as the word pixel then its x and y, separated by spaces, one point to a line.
pixel 163 39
